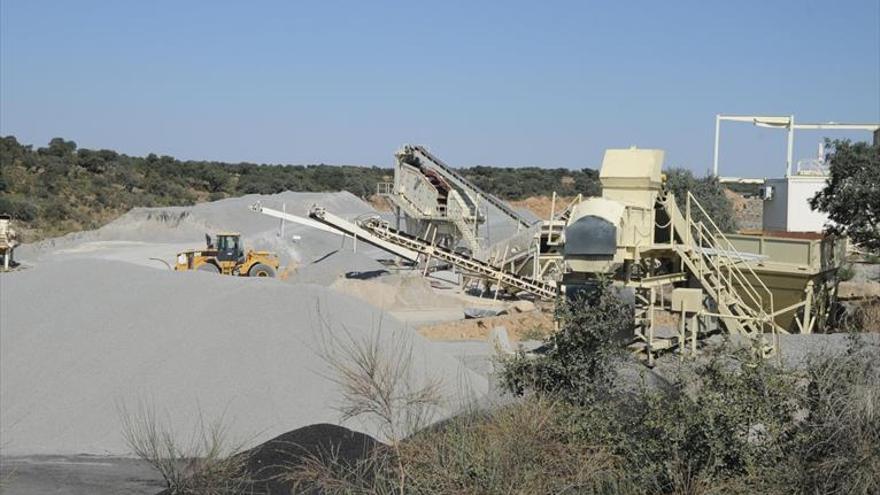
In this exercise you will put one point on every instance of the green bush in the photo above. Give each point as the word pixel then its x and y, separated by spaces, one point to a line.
pixel 846 272
pixel 18 208
pixel 726 423
pixel 581 359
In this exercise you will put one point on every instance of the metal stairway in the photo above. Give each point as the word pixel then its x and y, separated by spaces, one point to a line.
pixel 467 232
pixel 743 303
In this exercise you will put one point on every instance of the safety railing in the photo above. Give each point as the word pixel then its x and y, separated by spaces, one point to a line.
pixel 733 259
pixel 384 188
pixel 723 266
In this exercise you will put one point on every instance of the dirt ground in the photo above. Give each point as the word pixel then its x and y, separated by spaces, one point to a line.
pixel 533 325
pixel 541 205
pixel 749 212
pixel 77 475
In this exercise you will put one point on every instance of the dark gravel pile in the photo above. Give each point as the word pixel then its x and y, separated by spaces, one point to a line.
pixel 274 457
pixel 268 461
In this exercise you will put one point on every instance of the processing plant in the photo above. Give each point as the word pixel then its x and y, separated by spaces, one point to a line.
pixel 667 251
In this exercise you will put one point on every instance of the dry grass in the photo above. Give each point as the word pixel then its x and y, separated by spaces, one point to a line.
pixel 870 317
pixel 844 422
pixel 378 384
pixel 864 317
pixel 520 449
pixel 524 448
pixel 206 463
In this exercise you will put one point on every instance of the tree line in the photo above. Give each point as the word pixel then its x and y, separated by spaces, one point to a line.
pixel 61 188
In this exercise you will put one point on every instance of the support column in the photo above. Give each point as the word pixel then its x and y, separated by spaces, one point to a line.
pixel 790 155
pixel 717 142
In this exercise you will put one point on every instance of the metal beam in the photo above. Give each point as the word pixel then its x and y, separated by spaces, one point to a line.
pixel 787 123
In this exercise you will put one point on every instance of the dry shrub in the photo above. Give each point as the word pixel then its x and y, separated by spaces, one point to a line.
pixel 522 448
pixel 861 317
pixel 205 463
pixel 869 316
pixel 378 384
pixel 840 447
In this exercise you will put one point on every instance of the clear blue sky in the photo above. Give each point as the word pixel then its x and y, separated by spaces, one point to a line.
pixel 506 83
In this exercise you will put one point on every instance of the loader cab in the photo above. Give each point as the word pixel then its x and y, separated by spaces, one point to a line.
pixel 229 247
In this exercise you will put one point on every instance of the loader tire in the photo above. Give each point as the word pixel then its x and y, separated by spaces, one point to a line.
pixel 261 270
pixel 208 267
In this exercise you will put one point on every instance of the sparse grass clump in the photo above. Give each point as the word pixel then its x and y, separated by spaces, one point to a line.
pixel 206 462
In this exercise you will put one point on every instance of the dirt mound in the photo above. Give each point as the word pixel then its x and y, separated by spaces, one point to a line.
pixel 396 292
pixel 541 205
pixel 534 325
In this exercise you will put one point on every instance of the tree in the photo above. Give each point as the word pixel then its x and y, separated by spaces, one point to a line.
pixel 59 147
pixel 852 197
pixel 709 193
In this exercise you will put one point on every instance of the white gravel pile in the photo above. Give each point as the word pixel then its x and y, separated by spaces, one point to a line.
pixel 79 337
pixel 146 233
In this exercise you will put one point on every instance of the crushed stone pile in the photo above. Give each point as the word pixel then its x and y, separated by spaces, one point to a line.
pixel 145 233
pixel 82 339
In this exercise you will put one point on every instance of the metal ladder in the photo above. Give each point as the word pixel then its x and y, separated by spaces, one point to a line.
pixel 467 232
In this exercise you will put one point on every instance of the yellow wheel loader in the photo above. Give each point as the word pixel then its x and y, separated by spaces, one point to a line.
pixel 226 254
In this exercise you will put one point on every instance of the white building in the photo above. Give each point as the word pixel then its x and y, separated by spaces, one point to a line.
pixel 787 204
pixel 787 199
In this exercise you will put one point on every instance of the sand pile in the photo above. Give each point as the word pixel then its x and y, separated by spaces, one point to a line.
pixel 397 292
pixel 80 337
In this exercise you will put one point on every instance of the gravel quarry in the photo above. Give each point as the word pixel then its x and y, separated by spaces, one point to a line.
pixel 93 327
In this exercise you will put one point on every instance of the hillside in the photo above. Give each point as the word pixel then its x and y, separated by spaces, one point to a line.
pixel 60 188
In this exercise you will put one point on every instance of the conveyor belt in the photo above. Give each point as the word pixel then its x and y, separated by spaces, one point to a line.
pixel 377 232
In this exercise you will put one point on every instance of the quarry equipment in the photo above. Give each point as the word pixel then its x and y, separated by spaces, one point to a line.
pixel 429 196
pixel 8 241
pixel 666 251
pixel 641 236
pixel 226 254
pixel 379 233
